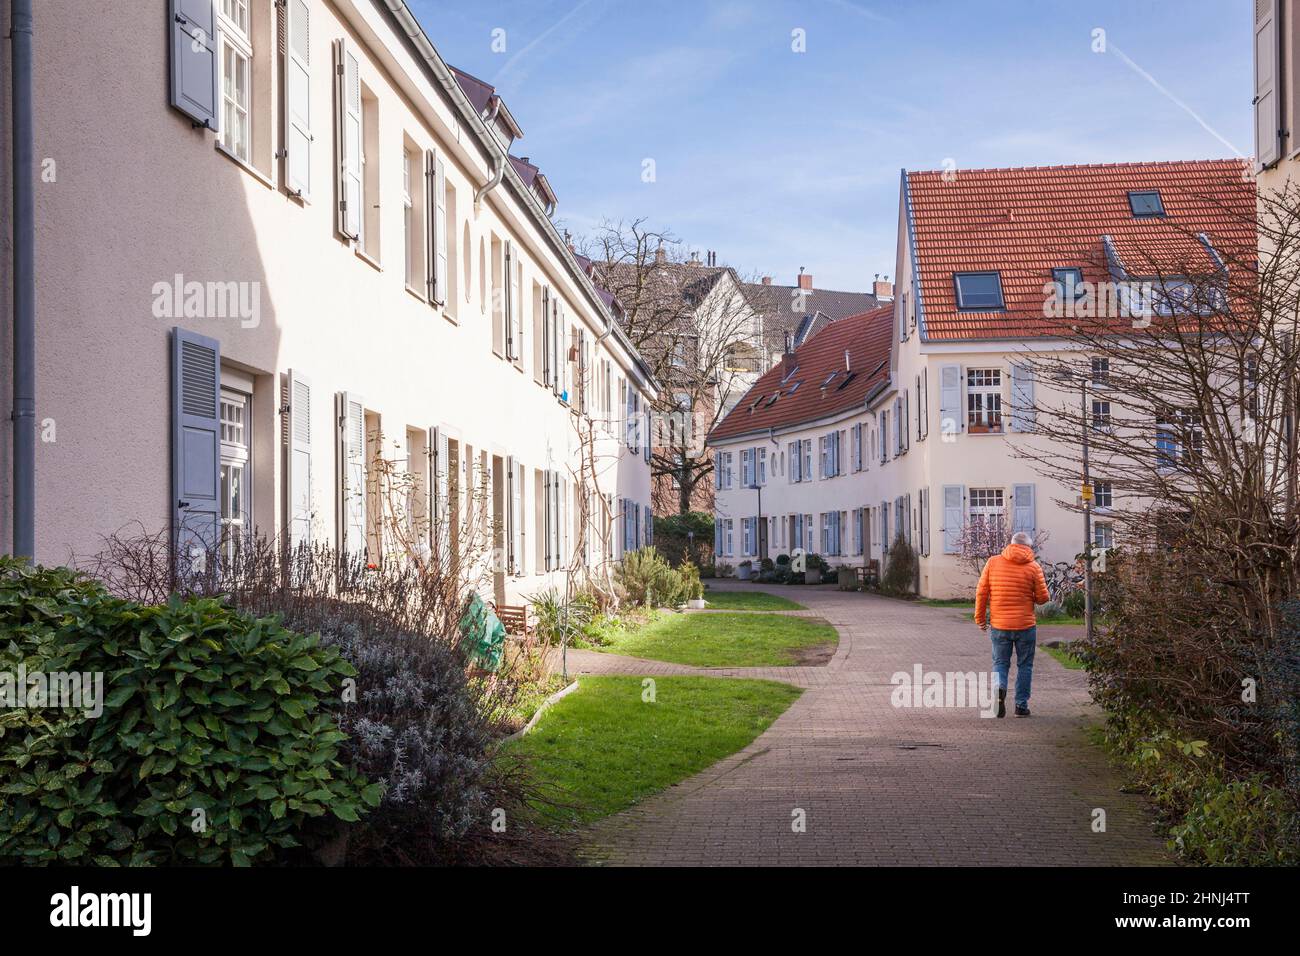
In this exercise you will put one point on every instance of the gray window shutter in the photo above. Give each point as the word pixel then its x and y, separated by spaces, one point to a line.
pixel 435 245
pixel 900 426
pixel 347 112
pixel 508 301
pixel 546 336
pixel 352 473
pixel 923 414
pixel 193 29
pixel 557 335
pixel 1268 116
pixel 953 517
pixel 647 444
pixel 546 518
pixel 950 416
pixel 1023 416
pixel 196 450
pixel 512 518
pixel 298 509
pixel 905 423
pixel 1023 517
pixel 297 81
pixel 885 542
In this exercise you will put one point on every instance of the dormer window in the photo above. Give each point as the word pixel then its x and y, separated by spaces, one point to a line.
pixel 978 291
pixel 1146 203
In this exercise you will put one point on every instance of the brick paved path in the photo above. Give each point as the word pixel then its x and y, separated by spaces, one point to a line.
pixel 885 785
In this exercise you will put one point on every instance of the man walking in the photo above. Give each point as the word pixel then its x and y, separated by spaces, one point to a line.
pixel 1011 584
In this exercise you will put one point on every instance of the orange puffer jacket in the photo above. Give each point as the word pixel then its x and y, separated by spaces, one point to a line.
pixel 1012 583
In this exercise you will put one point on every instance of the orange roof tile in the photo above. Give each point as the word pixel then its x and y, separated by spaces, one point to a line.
pixel 816 395
pixel 1024 222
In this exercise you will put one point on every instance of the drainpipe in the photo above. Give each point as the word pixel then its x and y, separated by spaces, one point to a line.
pixel 24 266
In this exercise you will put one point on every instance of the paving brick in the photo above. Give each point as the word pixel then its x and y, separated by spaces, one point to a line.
pixel 881 785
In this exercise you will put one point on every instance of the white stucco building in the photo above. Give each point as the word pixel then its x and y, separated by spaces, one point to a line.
pixel 279 242
pixel 955 403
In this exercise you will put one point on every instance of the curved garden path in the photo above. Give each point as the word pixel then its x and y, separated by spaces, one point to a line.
pixel 880 785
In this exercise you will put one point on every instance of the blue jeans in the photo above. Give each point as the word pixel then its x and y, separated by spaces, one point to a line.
pixel 1024 642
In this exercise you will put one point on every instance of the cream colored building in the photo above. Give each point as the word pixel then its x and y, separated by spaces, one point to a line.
pixel 280 242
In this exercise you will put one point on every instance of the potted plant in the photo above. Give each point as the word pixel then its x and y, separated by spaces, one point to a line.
pixel 847 578
pixel 745 569
pixel 813 567
pixel 694 587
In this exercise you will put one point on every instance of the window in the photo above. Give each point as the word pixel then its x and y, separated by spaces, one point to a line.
pixel 236 470
pixel 236 78
pixel 978 290
pixel 984 400
pixel 1181 296
pixel 1103 535
pixel 408 224
pixel 1103 495
pixel 1145 203
pixel 1101 372
pixel 1179 437
pixel 370 166
pixel 1069 284
pixel 986 506
pixel 1100 415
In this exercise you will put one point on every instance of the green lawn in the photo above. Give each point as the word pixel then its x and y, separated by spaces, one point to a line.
pixel 750 601
pixel 1063 655
pixel 603 748
pixel 728 640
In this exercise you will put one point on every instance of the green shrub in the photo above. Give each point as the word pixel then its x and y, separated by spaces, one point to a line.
pixel 1073 603
pixel 1051 611
pixel 644 577
pixel 900 568
pixel 215 744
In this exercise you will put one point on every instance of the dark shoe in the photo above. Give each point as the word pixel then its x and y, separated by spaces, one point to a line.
pixel 1022 710
pixel 1002 702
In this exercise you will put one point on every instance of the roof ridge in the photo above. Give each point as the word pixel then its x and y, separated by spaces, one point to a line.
pixel 1015 169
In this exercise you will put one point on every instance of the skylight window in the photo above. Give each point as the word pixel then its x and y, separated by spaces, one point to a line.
pixel 1069 284
pixel 978 291
pixel 772 401
pixel 1146 203
pixel 789 375
pixel 848 378
pixel 797 382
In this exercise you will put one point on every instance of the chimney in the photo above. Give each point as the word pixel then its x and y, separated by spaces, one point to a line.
pixel 805 280
pixel 767 280
pixel 883 288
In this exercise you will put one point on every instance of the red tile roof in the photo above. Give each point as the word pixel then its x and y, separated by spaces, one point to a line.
pixel 1025 222
pixel 867 339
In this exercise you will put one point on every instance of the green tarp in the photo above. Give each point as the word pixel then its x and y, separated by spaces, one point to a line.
pixel 483 634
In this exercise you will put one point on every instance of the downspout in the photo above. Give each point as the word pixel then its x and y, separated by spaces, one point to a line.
pixel 416 35
pixel 24 266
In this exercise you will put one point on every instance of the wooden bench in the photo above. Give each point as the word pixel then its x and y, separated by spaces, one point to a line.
pixel 515 619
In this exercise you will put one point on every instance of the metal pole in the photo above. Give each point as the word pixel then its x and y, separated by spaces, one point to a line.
pixel 1087 521
pixel 24 239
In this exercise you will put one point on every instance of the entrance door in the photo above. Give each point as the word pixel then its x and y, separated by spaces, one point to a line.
pixel 762 538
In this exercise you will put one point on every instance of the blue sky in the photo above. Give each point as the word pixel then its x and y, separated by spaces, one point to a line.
pixel 779 159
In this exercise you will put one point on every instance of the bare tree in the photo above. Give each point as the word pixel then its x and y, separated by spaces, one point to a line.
pixel 698 332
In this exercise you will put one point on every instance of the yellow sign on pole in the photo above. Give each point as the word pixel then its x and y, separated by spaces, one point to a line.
pixel 1086 492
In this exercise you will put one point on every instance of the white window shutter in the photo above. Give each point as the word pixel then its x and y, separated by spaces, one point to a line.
pixel 953 517
pixel 441 230
pixel 1023 517
pixel 508 292
pixel 439 454
pixel 1268 116
pixel 297 83
pixel 516 308
pixel 195 449
pixel 298 460
pixel 347 110
pixel 193 32
pixel 352 473
pixel 950 416
pixel 1023 416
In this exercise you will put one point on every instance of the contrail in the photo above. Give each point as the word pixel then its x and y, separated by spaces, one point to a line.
pixel 1170 96
pixel 539 38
